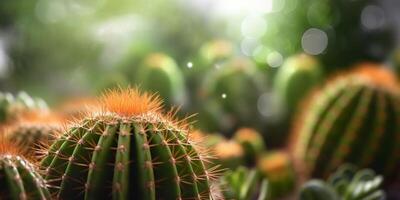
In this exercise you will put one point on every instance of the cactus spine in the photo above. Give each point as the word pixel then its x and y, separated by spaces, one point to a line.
pixel 355 119
pixel 129 150
pixel 19 180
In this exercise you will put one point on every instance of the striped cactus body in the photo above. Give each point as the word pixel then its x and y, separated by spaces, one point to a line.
pixel 355 118
pixel 130 151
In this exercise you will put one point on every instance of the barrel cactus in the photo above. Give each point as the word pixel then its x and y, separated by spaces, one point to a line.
pixel 159 73
pixel 296 77
pixel 12 106
pixel 277 167
pixel 128 149
pixel 252 143
pixel 346 183
pixel 19 179
pixel 354 119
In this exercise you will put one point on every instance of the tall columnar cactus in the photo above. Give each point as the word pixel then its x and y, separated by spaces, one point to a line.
pixel 296 77
pixel 128 150
pixel 277 167
pixel 252 143
pixel 346 183
pixel 19 180
pixel 236 89
pixel 159 73
pixel 355 118
pixel 13 106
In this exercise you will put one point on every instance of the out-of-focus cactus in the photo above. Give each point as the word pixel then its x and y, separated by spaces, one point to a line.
pixel 295 78
pixel 159 73
pixel 13 106
pixel 236 89
pixel 346 183
pixel 244 184
pixel 252 143
pixel 353 119
pixel 228 154
pixel 278 169
pixel 18 177
pixel 128 149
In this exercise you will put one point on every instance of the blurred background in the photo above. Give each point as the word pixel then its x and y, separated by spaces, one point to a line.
pixel 218 58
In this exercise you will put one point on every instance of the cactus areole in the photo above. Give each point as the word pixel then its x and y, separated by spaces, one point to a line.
pixel 128 150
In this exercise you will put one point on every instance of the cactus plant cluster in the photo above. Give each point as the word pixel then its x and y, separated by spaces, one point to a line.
pixel 128 149
pixel 13 106
pixel 346 183
pixel 355 119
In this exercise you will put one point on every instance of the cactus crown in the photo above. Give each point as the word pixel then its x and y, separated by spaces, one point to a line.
pixel 128 142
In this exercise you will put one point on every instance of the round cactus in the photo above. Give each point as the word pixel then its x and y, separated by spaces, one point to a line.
pixel 346 183
pixel 296 77
pixel 19 179
pixel 252 143
pixel 159 73
pixel 13 106
pixel 228 154
pixel 277 167
pixel 128 149
pixel 355 119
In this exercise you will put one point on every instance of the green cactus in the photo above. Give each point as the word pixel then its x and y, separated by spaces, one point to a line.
pixel 129 150
pixel 228 154
pixel 159 73
pixel 295 78
pixel 236 89
pixel 13 106
pixel 18 177
pixel 252 143
pixel 244 184
pixel 353 119
pixel 277 167
pixel 345 184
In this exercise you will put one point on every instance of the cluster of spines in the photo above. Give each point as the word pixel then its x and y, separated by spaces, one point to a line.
pixel 349 122
pixel 146 150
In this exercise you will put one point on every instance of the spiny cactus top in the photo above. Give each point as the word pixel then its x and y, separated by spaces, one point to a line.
pixel 355 118
pixel 19 179
pixel 128 150
pixel 160 74
pixel 12 106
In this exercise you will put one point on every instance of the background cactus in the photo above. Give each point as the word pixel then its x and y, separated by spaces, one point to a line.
pixel 277 167
pixel 295 78
pixel 151 154
pixel 159 73
pixel 346 183
pixel 13 106
pixel 228 154
pixel 252 143
pixel 19 179
pixel 354 119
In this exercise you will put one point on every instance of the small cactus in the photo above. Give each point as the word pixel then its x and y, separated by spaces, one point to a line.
pixel 13 106
pixel 160 74
pixel 296 77
pixel 252 143
pixel 346 183
pixel 19 180
pixel 277 167
pixel 353 119
pixel 129 149
pixel 228 154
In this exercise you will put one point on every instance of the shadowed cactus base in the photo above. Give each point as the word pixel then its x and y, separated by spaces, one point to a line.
pixel 130 150
pixel 355 119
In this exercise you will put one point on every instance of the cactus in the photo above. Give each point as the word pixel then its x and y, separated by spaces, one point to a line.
pixel 353 119
pixel 228 154
pixel 19 179
pixel 159 73
pixel 347 184
pixel 277 167
pixel 129 149
pixel 13 106
pixel 244 184
pixel 252 143
pixel 295 78
pixel 236 89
